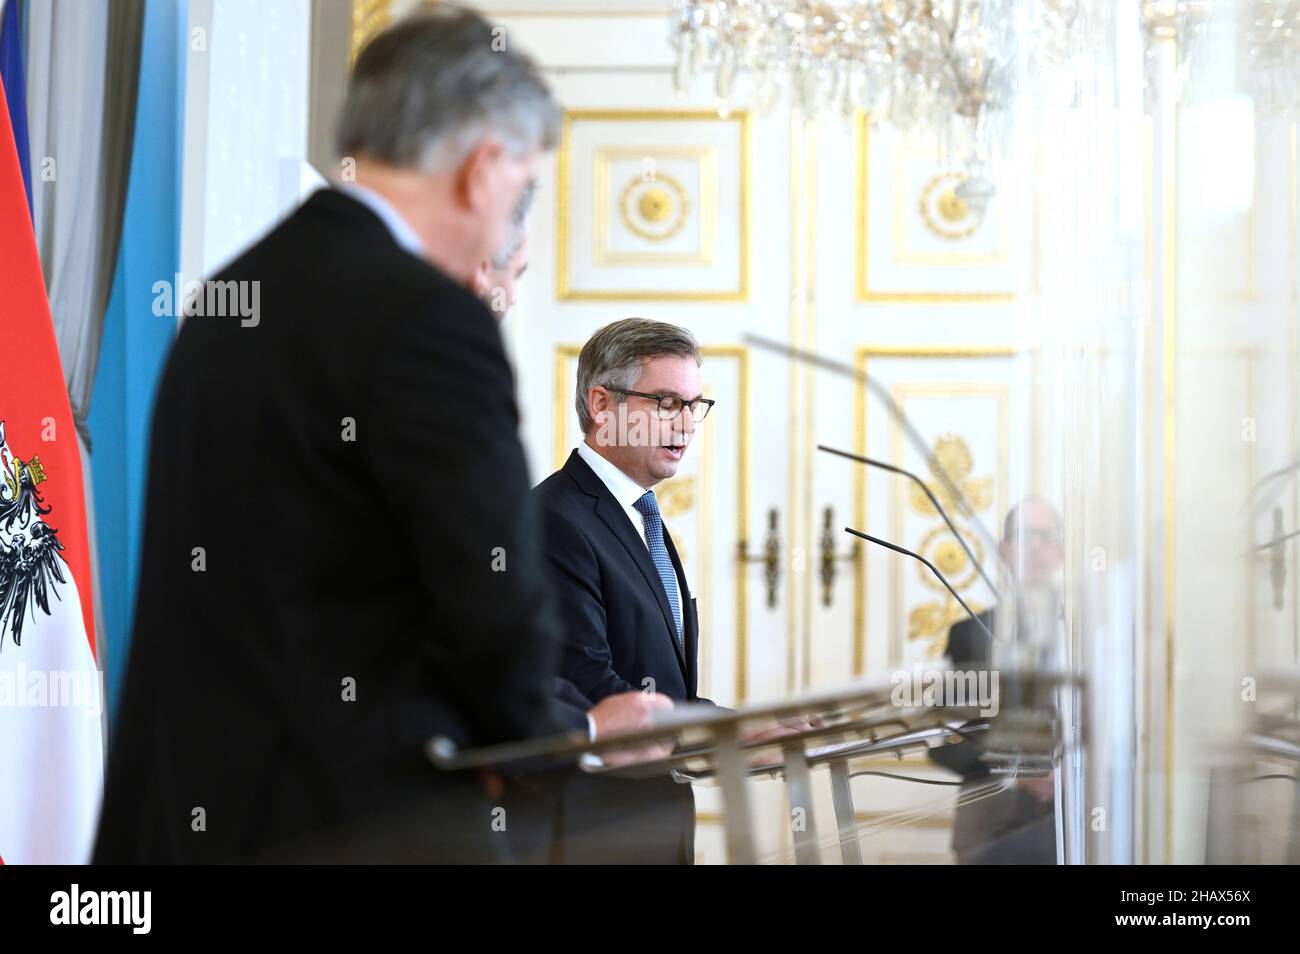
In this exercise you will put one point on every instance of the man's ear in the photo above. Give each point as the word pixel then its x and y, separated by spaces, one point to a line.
pixel 600 402
pixel 473 183
pixel 480 283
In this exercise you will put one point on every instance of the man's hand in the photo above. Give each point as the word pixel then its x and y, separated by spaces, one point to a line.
pixel 780 728
pixel 627 712
pixel 777 729
pixel 630 712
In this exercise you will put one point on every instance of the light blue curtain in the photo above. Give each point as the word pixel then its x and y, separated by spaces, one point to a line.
pixel 135 342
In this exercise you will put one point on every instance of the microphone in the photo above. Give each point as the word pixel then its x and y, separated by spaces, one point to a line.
pixel 1277 541
pixel 896 412
pixel 933 569
pixel 1254 505
pixel 870 462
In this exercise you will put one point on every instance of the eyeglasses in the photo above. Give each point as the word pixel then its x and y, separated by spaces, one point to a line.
pixel 670 406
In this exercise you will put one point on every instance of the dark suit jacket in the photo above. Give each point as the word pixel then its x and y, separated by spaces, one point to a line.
pixel 619 628
pixel 968 648
pixel 351 469
pixel 619 632
pixel 571 705
pixel 968 645
pixel 1007 827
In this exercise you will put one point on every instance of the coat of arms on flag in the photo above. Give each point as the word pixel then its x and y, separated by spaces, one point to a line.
pixel 31 563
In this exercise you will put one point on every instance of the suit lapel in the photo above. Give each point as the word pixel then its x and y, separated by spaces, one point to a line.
pixel 615 517
pixel 690 633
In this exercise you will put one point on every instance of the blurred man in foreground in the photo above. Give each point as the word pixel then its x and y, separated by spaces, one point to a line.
pixel 339 556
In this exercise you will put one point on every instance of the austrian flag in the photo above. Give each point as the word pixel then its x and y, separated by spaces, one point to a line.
pixel 51 740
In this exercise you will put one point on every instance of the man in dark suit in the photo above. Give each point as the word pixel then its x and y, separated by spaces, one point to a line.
pixel 630 620
pixel 1015 825
pixel 494 283
pixel 339 556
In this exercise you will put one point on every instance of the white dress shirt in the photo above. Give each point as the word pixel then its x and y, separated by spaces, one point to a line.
pixel 402 232
pixel 627 492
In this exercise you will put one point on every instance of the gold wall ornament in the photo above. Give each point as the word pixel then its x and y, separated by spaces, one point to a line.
pixel 944 552
pixel 866 357
pixel 655 205
pixel 676 496
pixel 654 208
pixel 652 197
pixel 953 455
pixel 930 622
pixel 708 206
pixel 864 237
pixel 944 212
pixel 949 557
pixel 952 207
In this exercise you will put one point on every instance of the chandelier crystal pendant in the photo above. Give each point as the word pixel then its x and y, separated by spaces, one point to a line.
pixel 944 68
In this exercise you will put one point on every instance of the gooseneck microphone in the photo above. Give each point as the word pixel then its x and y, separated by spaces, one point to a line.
pixel 909 430
pixel 1254 502
pixel 961 540
pixel 933 569
pixel 1277 541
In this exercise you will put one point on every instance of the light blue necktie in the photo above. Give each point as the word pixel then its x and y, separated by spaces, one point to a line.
pixel 648 507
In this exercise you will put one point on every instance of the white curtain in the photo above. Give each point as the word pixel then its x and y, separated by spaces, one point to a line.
pixel 83 65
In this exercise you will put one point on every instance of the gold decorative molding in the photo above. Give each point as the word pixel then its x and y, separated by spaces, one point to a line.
pixel 656 204
pixel 676 199
pixel 945 213
pixel 564 159
pixel 676 496
pixel 862 284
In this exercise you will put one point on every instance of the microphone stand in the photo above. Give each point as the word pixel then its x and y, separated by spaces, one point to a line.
pixel 933 569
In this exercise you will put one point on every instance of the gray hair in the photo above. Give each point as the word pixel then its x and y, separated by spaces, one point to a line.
pixel 501 260
pixel 428 89
pixel 612 357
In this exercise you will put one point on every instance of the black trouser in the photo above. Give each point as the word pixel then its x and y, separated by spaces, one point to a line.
pixel 569 817
pixel 457 823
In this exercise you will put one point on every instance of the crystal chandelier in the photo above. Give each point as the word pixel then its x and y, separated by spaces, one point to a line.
pixel 944 67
